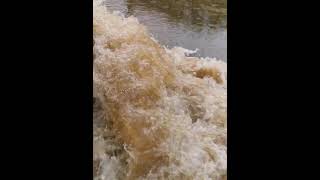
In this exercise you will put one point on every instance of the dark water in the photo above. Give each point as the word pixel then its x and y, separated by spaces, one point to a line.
pixel 192 24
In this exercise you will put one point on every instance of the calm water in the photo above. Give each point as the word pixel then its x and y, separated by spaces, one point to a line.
pixel 192 24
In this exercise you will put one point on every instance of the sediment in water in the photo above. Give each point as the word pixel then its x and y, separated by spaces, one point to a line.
pixel 160 114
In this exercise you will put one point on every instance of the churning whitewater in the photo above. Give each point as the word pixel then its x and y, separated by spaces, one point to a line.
pixel 158 114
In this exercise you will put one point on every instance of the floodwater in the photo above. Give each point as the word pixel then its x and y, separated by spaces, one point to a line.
pixel 159 114
pixel 192 24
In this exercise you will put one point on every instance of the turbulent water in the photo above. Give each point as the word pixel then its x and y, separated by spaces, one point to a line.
pixel 159 114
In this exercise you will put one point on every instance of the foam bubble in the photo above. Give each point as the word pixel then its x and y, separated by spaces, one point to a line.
pixel 163 113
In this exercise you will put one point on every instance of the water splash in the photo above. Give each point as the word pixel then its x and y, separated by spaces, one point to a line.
pixel 162 115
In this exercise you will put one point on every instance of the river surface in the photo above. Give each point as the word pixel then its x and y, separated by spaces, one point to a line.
pixel 192 24
pixel 158 114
